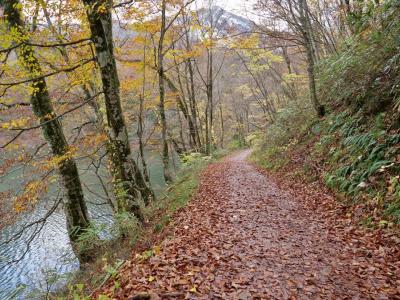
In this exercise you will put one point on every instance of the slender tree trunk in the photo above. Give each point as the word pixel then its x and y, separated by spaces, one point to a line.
pixel 289 67
pixel 191 90
pixel 125 172
pixel 209 106
pixel 201 126
pixel 247 120
pixel 182 105
pixel 181 132
pixel 193 105
pixel 206 116
pixel 140 124
pixel 305 27
pixel 222 125
pixel 141 146
pixel 161 105
pixel 75 207
pixel 310 31
pixel 240 127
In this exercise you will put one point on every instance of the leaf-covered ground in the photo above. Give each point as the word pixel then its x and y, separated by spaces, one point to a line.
pixel 243 237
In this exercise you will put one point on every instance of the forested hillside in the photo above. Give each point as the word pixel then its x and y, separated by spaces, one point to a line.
pixel 115 116
pixel 354 149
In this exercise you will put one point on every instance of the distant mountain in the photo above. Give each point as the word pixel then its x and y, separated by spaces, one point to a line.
pixel 224 21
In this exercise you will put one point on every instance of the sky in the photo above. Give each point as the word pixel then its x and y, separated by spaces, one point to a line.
pixel 239 7
pixel 235 4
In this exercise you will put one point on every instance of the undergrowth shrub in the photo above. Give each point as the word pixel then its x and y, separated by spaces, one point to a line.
pixel 356 147
pixel 238 142
pixel 363 158
pixel 272 144
pixel 191 158
pixel 365 74
pixel 359 142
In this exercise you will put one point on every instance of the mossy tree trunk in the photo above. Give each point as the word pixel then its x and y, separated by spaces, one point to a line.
pixel 126 174
pixel 75 207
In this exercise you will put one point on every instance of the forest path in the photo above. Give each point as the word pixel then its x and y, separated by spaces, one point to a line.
pixel 241 237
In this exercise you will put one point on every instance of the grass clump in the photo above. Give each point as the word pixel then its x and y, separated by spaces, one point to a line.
pixel 360 161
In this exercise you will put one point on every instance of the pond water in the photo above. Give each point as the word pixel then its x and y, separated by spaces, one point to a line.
pixel 50 254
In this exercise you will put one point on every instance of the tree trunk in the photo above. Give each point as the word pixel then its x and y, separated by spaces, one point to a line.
pixel 182 107
pixel 222 125
pixel 184 149
pixel 161 105
pixel 191 91
pixel 193 105
pixel 125 172
pixel 305 27
pixel 141 146
pixel 88 90
pixel 140 124
pixel 206 117
pixel 75 207
pixel 289 67
pixel 209 106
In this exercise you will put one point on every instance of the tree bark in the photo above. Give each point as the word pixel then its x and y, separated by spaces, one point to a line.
pixel 191 90
pixel 140 123
pixel 161 105
pixel 141 145
pixel 182 107
pixel 209 106
pixel 75 207
pixel 308 45
pixel 193 103
pixel 289 67
pixel 221 116
pixel 126 174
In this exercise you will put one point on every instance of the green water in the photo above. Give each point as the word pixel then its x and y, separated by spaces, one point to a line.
pixel 50 254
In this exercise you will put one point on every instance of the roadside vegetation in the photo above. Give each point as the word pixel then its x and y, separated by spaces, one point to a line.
pixel 139 241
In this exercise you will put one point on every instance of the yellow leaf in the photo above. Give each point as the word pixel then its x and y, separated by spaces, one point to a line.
pixel 156 250
pixel 193 289
pixel 151 278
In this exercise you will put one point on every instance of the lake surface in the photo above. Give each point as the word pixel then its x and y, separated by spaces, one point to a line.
pixel 50 255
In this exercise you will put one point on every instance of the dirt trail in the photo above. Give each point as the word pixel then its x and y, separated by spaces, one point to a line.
pixel 242 237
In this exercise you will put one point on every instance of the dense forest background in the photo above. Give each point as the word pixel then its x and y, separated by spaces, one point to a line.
pixel 105 103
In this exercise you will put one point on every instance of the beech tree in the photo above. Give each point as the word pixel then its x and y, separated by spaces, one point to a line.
pixel 75 206
pixel 126 173
pixel 161 106
pixel 165 25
